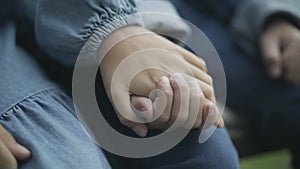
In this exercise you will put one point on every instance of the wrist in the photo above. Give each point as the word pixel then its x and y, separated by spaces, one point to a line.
pixel 118 36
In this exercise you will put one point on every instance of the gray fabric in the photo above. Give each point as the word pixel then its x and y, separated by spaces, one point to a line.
pixel 74 22
pixel 168 23
pixel 63 27
pixel 251 15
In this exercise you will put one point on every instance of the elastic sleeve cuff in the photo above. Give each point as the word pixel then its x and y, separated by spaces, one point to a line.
pixel 250 18
pixel 89 52
pixel 65 28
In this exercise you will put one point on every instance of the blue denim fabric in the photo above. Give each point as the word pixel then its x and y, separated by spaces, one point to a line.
pixel 272 107
pixel 46 124
pixel 42 118
pixel 39 115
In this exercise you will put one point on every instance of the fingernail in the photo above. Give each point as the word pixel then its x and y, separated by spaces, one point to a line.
pixel 165 81
pixel 23 150
pixel 145 107
pixel 140 131
pixel 174 78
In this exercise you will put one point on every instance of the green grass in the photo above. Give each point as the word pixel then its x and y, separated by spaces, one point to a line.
pixel 271 160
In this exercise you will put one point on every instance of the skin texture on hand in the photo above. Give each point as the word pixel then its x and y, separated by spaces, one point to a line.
pixel 136 48
pixel 146 106
pixel 280 47
pixel 178 59
pixel 11 151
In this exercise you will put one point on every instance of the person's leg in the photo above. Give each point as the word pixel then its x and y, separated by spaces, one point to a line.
pixel 45 123
pixel 272 107
pixel 40 116
pixel 216 153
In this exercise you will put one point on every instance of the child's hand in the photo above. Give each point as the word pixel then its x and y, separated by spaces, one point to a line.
pixel 10 150
pixel 150 51
pixel 196 103
pixel 280 46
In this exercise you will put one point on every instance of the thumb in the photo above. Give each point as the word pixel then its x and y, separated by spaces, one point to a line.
pixel 142 106
pixel 17 150
pixel 122 105
pixel 270 47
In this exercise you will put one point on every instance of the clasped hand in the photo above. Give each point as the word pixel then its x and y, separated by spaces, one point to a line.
pixel 180 75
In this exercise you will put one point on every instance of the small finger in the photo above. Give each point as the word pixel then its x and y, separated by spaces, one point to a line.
pixel 195 102
pixel 126 115
pixel 165 86
pixel 7 160
pixel 19 151
pixel 142 106
pixel 181 99
pixel 207 90
pixel 211 116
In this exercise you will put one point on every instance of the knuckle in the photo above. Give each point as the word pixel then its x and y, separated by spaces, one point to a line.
pixel 210 80
pixel 204 66
pixel 202 63
pixel 202 97
pixel 209 93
